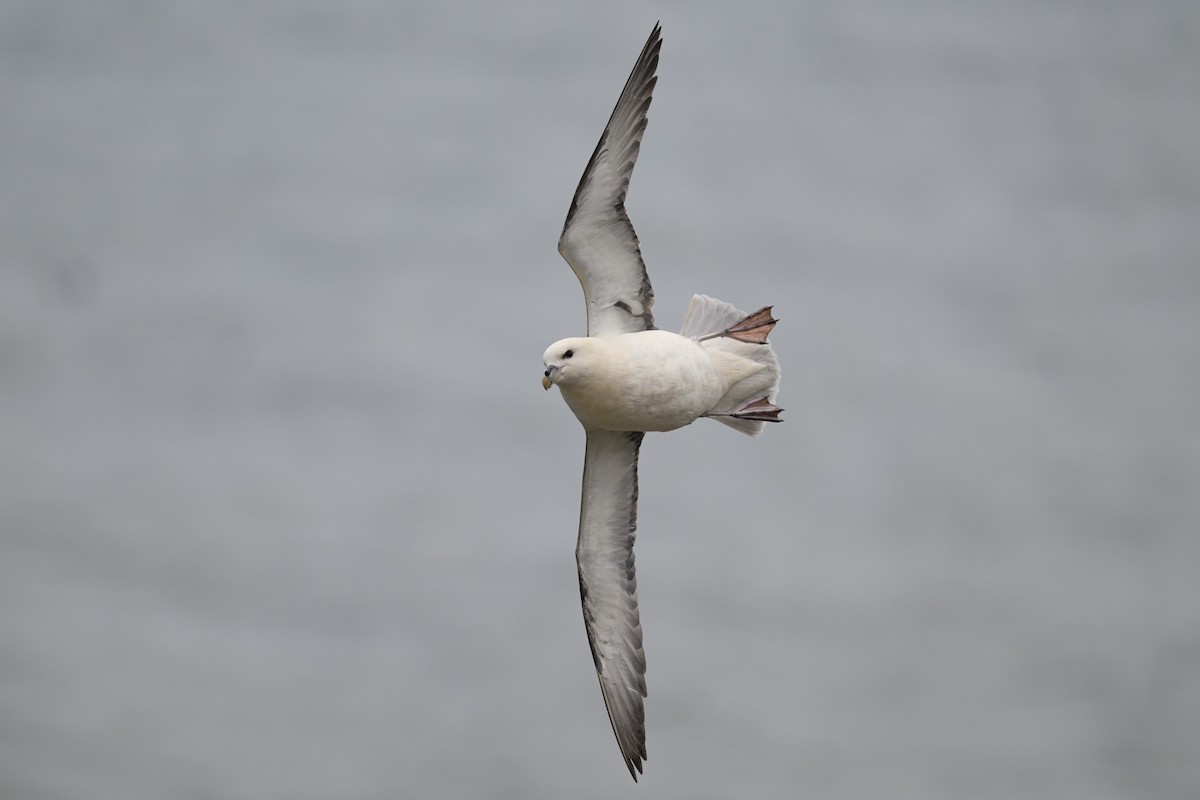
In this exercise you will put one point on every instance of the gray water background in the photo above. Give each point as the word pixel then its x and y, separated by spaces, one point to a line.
pixel 284 512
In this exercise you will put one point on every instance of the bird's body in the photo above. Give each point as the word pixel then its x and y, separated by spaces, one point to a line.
pixel 626 378
pixel 632 381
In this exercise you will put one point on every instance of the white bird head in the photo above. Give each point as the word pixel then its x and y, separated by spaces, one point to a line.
pixel 567 359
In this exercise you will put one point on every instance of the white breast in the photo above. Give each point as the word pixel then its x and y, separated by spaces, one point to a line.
pixel 646 381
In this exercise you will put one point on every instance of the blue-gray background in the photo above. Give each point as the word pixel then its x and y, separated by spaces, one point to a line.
pixel 284 512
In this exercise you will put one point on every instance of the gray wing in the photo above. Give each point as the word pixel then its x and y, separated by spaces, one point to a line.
pixel 608 584
pixel 598 240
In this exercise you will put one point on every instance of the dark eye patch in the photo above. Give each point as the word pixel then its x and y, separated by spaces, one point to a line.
pixel 568 354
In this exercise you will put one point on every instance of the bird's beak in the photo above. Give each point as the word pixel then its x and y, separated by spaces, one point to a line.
pixel 549 377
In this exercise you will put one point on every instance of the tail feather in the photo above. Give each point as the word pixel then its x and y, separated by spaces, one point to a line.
pixel 706 315
pixel 738 341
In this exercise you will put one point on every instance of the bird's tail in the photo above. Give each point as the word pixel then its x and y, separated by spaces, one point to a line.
pixel 739 342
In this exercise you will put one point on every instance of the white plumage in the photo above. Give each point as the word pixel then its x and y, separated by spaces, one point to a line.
pixel 626 378
pixel 657 380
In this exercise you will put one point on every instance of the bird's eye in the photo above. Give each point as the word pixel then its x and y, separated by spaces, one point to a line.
pixel 568 354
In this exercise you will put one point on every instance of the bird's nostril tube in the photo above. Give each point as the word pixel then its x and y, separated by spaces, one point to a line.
pixel 547 373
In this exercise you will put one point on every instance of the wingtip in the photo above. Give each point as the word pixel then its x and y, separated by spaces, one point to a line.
pixel 635 767
pixel 655 39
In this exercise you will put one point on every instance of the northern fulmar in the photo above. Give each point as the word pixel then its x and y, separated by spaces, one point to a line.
pixel 626 378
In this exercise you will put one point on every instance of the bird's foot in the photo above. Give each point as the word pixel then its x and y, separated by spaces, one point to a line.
pixel 752 329
pixel 761 409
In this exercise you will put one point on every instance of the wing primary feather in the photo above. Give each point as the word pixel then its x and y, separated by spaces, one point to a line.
pixel 608 585
pixel 642 75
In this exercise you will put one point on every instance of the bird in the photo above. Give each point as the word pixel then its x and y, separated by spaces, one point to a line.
pixel 627 378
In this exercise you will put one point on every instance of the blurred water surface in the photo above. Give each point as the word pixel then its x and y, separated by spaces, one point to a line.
pixel 284 512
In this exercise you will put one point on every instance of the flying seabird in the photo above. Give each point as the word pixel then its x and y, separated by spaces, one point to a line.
pixel 626 378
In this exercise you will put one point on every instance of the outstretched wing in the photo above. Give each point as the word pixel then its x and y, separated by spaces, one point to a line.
pixel 598 240
pixel 608 584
